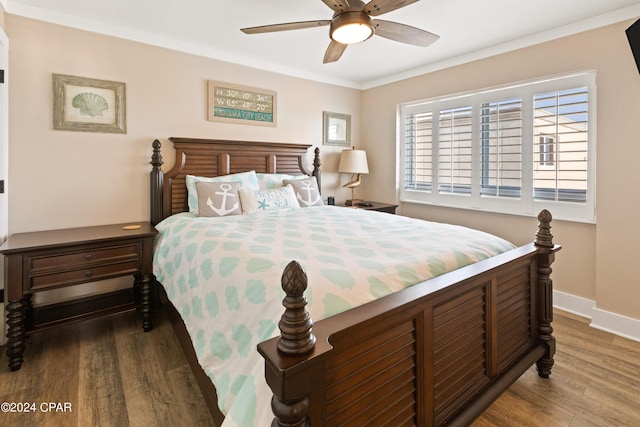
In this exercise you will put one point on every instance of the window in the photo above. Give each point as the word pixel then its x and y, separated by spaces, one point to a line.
pixel 515 149
pixel 546 148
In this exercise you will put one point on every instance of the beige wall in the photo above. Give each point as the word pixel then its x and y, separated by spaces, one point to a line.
pixel 60 179
pixel 64 179
pixel 597 261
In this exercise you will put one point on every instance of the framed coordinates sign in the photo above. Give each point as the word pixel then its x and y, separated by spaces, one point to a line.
pixel 241 104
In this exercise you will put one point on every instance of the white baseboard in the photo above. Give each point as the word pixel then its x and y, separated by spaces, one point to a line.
pixel 607 321
pixel 618 324
pixel 573 304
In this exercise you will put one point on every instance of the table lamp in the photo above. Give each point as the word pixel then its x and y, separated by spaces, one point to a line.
pixel 353 162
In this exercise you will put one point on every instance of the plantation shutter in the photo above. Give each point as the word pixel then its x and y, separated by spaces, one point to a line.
pixel 454 150
pixel 516 149
pixel 418 151
pixel 560 145
pixel 501 145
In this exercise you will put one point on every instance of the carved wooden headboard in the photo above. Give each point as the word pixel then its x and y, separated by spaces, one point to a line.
pixel 215 157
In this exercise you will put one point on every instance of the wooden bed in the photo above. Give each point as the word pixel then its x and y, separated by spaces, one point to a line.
pixel 437 353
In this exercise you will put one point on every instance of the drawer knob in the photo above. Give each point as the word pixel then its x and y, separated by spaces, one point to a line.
pixel 88 273
pixel 88 257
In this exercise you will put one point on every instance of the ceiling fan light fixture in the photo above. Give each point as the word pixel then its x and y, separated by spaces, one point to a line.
pixel 351 27
pixel 352 23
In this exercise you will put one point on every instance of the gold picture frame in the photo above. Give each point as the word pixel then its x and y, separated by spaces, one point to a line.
pixel 336 129
pixel 88 105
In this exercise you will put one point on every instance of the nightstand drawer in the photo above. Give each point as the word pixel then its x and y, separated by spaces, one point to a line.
pixel 39 264
pixel 81 275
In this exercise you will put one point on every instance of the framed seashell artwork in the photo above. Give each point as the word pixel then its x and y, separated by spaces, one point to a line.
pixel 88 105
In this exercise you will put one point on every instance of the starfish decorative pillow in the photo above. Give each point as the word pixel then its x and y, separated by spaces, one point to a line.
pixel 268 200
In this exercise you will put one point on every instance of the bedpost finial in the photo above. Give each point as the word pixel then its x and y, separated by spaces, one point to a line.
pixel 316 167
pixel 156 157
pixel 294 279
pixel 157 184
pixel 545 216
pixel 295 325
pixel 544 238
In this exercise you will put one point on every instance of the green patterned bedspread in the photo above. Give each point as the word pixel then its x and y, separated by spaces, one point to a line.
pixel 223 276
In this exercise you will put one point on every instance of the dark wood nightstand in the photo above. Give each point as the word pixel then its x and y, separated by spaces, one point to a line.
pixel 377 206
pixel 45 260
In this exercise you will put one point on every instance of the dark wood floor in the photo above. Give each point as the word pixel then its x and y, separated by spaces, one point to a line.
pixel 595 382
pixel 113 374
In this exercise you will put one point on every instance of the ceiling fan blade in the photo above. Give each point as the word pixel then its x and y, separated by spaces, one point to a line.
pixel 286 26
pixel 403 33
pixel 334 52
pixel 338 5
pixel 378 7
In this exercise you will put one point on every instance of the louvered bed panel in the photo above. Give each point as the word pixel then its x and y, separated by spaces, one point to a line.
pixel 179 199
pixel 201 165
pixel 256 163
pixel 288 165
pixel 460 348
pixel 515 328
pixel 373 381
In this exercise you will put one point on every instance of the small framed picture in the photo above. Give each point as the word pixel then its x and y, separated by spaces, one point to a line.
pixel 336 129
pixel 88 105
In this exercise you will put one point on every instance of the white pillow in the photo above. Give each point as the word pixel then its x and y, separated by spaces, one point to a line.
pixel 248 180
pixel 267 181
pixel 267 200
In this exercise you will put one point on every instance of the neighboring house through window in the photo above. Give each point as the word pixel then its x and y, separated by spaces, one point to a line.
pixel 546 148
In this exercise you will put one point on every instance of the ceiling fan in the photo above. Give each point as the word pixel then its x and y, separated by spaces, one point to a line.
pixel 352 23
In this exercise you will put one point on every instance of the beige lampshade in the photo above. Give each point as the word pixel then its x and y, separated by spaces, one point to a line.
pixel 353 161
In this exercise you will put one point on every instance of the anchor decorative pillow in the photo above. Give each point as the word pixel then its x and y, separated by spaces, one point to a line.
pixel 306 191
pixel 217 199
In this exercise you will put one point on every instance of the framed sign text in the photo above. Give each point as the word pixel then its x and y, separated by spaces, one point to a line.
pixel 241 104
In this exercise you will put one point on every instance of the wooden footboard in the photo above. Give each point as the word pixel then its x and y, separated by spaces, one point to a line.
pixel 439 352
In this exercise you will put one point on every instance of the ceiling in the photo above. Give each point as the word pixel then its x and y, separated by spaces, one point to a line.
pixel 468 30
